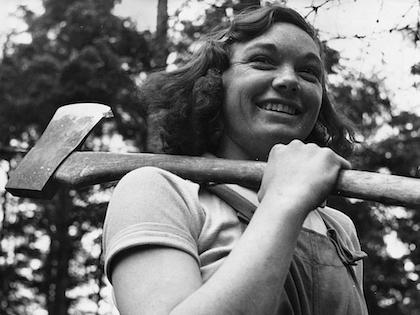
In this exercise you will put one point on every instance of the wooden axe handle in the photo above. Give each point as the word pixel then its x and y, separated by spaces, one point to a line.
pixel 86 168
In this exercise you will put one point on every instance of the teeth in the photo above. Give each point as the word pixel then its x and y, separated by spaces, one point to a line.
pixel 279 108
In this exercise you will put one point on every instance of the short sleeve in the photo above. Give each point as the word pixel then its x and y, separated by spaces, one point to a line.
pixel 150 206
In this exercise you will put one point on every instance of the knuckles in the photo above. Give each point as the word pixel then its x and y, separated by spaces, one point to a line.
pixel 296 151
pixel 299 147
pixel 308 168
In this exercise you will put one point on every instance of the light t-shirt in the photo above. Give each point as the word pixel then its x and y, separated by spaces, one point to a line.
pixel 165 210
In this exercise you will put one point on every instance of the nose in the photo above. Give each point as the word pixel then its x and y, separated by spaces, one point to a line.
pixel 286 81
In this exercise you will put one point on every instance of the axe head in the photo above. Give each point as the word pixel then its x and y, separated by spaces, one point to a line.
pixel 67 130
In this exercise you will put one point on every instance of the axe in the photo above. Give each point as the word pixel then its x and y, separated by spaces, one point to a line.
pixel 55 161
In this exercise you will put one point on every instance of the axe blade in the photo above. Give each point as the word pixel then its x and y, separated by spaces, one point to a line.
pixel 67 130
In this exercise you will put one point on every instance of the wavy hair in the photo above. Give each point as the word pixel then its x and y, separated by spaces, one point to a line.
pixel 190 98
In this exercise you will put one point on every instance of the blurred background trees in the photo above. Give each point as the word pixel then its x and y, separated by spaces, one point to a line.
pixel 80 51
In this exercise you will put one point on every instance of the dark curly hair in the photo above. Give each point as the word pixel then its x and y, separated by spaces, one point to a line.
pixel 190 98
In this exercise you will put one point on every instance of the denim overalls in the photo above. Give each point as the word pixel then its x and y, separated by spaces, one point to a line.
pixel 322 278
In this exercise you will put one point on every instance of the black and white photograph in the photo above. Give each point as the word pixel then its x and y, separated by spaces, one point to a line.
pixel 210 157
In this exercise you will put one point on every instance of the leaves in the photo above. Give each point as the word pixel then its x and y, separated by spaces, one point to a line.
pixel 81 52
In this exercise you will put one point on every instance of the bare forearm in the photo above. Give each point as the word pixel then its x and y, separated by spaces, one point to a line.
pixel 256 268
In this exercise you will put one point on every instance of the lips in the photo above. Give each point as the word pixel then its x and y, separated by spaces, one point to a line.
pixel 279 107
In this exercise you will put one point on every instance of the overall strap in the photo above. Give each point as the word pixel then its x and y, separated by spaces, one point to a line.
pixel 245 210
pixel 348 257
pixel 243 207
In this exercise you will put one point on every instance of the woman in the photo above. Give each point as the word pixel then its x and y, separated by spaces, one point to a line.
pixel 254 91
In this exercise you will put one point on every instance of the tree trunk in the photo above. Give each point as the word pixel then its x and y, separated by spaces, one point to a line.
pixel 161 45
pixel 160 51
pixel 60 253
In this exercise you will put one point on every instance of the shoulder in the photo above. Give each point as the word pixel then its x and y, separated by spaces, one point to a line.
pixel 154 175
pixel 153 188
pixel 150 206
pixel 340 218
pixel 152 195
pixel 151 182
pixel 343 225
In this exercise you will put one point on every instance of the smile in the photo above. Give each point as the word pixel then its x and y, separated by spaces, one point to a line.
pixel 276 107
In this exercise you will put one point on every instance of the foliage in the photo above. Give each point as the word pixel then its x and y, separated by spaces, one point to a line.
pixel 81 52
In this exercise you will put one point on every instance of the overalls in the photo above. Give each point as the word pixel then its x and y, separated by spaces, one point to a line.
pixel 321 278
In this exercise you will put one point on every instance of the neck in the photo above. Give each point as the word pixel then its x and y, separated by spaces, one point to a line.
pixel 229 149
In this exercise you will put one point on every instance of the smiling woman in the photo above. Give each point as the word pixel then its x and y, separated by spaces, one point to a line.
pixel 255 90
pixel 273 92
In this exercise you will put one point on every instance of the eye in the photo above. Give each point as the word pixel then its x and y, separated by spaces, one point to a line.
pixel 311 73
pixel 261 62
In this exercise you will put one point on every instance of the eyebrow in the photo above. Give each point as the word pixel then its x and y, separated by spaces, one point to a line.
pixel 310 56
pixel 266 46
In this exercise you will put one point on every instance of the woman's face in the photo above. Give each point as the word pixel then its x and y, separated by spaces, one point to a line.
pixel 273 92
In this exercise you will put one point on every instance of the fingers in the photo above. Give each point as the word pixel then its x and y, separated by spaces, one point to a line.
pixel 344 163
pixel 328 151
pixel 312 147
pixel 306 171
